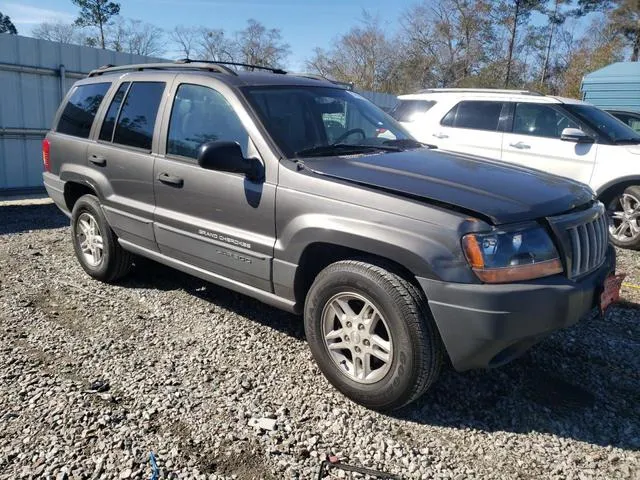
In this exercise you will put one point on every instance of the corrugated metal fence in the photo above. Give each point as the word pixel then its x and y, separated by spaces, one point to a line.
pixel 34 76
pixel 616 86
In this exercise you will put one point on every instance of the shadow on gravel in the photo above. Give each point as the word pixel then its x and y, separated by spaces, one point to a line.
pixel 149 274
pixel 561 387
pixel 23 218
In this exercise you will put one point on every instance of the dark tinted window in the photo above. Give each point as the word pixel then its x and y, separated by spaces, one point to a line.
pixel 603 123
pixel 411 110
pixel 476 115
pixel 80 111
pixel 540 120
pixel 138 115
pixel 106 132
pixel 200 115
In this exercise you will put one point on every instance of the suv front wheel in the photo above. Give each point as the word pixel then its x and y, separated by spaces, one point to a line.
pixel 372 334
pixel 95 244
pixel 624 218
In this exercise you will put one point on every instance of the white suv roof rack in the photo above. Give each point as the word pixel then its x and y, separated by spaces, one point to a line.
pixel 480 90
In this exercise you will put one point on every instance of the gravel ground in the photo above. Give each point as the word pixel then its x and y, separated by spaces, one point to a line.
pixel 190 365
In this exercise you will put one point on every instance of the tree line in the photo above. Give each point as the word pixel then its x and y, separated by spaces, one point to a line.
pixel 546 45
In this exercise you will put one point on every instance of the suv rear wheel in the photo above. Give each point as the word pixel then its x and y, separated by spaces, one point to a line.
pixel 95 244
pixel 372 334
pixel 624 218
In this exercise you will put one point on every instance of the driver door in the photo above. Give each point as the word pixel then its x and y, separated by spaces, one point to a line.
pixel 534 141
pixel 218 221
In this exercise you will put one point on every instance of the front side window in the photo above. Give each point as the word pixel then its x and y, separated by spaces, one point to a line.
pixel 303 119
pixel 474 115
pixel 540 120
pixel 80 111
pixel 137 117
pixel 200 115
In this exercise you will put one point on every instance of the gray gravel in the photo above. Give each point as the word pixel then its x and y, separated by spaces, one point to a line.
pixel 221 386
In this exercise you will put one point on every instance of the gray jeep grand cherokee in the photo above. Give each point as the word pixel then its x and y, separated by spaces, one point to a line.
pixel 302 194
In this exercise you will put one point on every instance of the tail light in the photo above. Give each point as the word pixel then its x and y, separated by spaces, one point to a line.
pixel 380 131
pixel 46 145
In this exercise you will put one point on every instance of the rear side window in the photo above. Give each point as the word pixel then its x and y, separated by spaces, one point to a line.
pixel 80 111
pixel 475 115
pixel 137 117
pixel 106 132
pixel 411 110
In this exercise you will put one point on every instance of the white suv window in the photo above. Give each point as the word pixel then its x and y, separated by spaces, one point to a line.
pixel 540 120
pixel 475 115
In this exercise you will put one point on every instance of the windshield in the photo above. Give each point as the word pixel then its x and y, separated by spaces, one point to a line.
pixel 604 123
pixel 306 121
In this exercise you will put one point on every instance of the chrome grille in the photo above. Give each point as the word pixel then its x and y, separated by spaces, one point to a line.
pixel 588 245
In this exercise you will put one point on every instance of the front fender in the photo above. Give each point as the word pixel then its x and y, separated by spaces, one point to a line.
pixel 426 250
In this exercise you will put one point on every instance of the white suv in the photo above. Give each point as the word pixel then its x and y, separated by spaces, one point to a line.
pixel 558 135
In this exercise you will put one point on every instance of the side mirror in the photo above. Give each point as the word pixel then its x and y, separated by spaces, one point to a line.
pixel 228 157
pixel 575 135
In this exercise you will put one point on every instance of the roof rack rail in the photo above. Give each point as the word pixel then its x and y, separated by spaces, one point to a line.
pixel 482 90
pixel 315 76
pixel 207 66
pixel 234 64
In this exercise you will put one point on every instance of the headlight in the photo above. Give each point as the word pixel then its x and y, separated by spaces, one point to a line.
pixel 511 256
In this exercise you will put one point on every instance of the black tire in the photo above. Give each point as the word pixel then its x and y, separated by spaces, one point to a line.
pixel 115 262
pixel 417 349
pixel 633 242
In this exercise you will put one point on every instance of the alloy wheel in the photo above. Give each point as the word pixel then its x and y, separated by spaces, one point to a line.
pixel 357 337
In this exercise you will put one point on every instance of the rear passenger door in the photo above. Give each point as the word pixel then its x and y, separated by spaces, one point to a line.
pixel 221 222
pixel 472 126
pixel 122 154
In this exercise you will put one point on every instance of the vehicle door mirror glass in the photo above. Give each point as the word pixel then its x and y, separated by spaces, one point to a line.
pixel 575 135
pixel 227 156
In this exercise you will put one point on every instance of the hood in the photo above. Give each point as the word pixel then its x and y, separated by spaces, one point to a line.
pixel 501 192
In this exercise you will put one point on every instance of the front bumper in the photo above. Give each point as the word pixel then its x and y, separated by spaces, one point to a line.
pixel 490 325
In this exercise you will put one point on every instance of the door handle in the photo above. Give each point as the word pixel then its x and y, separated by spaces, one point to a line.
pixel 520 145
pixel 171 180
pixel 440 135
pixel 98 160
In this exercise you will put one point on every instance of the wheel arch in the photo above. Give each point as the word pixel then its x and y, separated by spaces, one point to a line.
pixel 607 191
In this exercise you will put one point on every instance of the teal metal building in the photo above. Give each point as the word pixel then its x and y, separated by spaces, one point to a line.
pixel 616 86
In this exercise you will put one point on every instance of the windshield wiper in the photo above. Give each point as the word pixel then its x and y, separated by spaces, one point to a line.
pixel 344 149
pixel 407 143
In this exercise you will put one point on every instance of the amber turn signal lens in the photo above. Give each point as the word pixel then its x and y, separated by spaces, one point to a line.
pixel 519 273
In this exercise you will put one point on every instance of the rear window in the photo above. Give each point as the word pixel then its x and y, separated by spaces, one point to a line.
pixel 475 115
pixel 80 111
pixel 411 110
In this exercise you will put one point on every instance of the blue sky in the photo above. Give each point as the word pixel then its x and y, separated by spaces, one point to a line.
pixel 305 24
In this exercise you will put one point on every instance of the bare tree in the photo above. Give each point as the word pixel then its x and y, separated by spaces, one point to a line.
pixel 135 36
pixel 363 56
pixel 59 32
pixel 214 45
pixel 186 38
pixel 258 45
